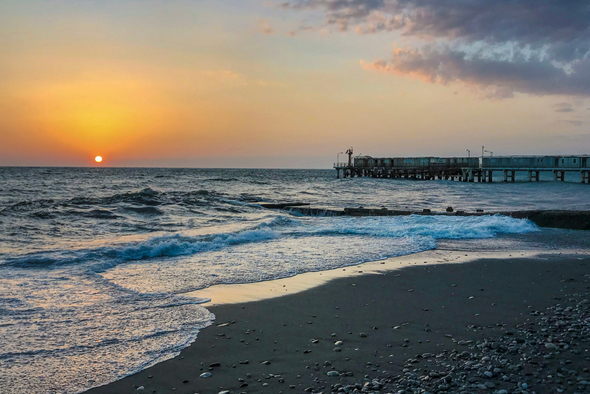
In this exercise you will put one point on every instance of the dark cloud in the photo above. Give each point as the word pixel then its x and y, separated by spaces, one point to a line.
pixel 501 77
pixel 528 46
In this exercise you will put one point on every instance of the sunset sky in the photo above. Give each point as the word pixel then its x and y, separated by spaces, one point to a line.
pixel 289 84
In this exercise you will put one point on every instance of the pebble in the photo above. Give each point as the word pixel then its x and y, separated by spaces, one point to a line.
pixel 333 373
pixel 338 343
pixel 362 335
pixel 205 375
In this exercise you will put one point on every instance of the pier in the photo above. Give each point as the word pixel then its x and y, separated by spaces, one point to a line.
pixel 463 169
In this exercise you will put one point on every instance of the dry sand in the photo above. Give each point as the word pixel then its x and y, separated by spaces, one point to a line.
pixel 386 319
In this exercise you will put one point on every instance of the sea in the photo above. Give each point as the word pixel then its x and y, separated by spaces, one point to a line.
pixel 96 263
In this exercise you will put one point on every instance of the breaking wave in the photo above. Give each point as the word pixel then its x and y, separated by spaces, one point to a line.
pixel 437 227
pixel 415 226
pixel 163 246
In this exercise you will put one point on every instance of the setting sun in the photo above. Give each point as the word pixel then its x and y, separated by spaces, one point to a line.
pixel 98 159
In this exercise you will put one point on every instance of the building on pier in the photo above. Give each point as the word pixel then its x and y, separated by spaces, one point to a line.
pixel 465 169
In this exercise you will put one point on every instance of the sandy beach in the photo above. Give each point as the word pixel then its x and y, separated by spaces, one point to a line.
pixel 508 325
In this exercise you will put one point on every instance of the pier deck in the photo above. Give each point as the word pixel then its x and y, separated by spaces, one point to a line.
pixel 465 169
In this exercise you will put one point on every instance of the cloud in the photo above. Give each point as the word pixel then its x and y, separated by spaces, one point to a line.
pixel 563 107
pixel 576 123
pixel 501 77
pixel 574 137
pixel 539 47
pixel 302 28
pixel 265 28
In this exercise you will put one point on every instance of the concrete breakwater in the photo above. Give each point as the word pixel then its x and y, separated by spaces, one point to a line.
pixel 564 219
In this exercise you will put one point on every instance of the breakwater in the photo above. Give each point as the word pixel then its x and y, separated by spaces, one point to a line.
pixel 564 219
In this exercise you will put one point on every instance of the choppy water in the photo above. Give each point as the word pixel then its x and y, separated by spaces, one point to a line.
pixel 94 262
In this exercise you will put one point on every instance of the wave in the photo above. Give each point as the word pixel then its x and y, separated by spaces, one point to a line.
pixel 163 246
pixel 222 180
pixel 147 196
pixel 437 227
pixel 274 227
pixel 146 202
pixel 149 211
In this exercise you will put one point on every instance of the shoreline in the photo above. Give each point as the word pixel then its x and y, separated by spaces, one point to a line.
pixel 237 293
pixel 385 303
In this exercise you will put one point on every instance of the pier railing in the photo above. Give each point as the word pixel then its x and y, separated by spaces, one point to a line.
pixel 340 165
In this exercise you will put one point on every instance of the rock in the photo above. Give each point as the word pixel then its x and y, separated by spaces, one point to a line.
pixel 362 335
pixel 338 343
pixel 488 374
pixel 333 373
pixel 141 388
pixel 224 392
pixel 212 365
pixel 205 375
pixel 551 346
pixel 265 362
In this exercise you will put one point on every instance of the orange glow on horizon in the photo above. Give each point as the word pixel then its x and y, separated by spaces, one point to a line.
pixel 98 159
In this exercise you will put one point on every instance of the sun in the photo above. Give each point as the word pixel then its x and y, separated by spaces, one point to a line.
pixel 98 159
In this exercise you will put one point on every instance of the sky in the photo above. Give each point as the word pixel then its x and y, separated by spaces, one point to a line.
pixel 290 83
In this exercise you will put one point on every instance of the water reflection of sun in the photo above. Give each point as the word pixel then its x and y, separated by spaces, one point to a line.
pixel 98 159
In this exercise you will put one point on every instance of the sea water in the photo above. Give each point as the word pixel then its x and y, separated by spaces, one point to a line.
pixel 94 263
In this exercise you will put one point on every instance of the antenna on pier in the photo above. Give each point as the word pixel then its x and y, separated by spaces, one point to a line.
pixel 349 153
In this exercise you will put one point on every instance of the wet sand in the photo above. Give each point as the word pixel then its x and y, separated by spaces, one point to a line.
pixel 385 319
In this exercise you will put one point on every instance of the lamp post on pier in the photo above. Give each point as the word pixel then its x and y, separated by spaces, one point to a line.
pixel 468 153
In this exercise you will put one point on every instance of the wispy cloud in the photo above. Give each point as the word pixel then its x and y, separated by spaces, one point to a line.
pixel 264 27
pixel 576 123
pixel 502 46
pixel 563 107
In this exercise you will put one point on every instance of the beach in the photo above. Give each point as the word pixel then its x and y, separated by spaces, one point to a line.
pixel 517 323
